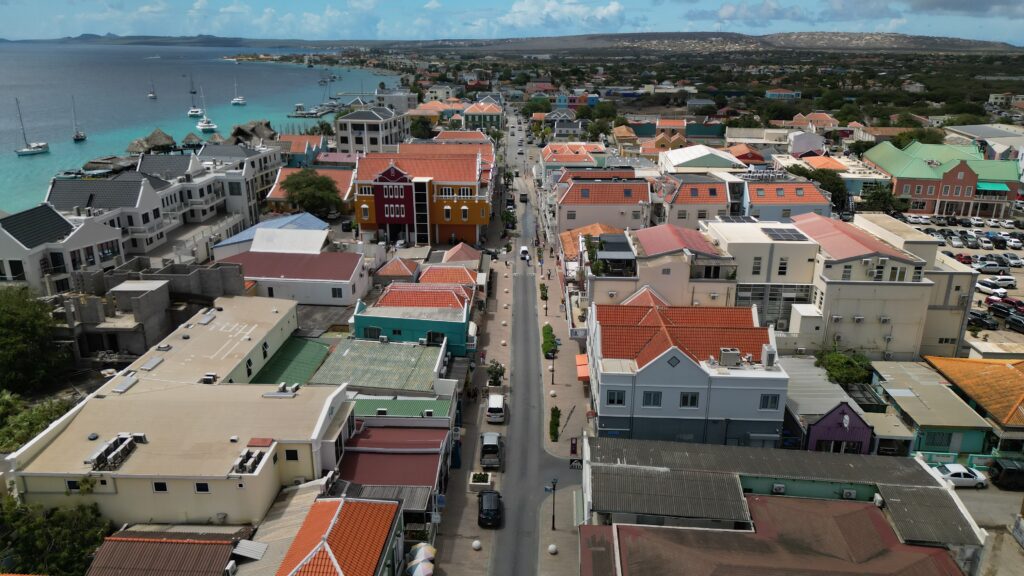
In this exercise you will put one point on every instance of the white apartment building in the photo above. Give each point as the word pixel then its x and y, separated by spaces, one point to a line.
pixel 685 374
pixel 183 435
pixel 374 129
pixel 42 249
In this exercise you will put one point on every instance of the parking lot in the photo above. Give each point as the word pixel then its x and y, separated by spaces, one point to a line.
pixel 1001 244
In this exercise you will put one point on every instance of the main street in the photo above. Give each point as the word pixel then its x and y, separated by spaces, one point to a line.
pixel 529 467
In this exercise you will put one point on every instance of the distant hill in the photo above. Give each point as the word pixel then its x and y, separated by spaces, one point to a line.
pixel 671 42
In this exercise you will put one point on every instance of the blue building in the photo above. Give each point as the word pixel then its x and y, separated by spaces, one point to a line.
pixel 422 313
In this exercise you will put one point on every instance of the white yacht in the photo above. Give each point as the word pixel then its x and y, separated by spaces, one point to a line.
pixel 194 111
pixel 31 148
pixel 152 91
pixel 205 125
pixel 237 100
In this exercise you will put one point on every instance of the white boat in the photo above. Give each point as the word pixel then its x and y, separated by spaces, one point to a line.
pixel 205 125
pixel 78 135
pixel 31 148
pixel 194 111
pixel 152 91
pixel 237 100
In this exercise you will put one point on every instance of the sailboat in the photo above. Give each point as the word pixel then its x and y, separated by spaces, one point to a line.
pixel 194 111
pixel 237 100
pixel 152 91
pixel 205 125
pixel 31 148
pixel 78 136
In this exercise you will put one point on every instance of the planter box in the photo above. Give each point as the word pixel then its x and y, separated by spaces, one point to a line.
pixel 481 486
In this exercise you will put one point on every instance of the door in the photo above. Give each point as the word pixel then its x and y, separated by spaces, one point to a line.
pixel 270 292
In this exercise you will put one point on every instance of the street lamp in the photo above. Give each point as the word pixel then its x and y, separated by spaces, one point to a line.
pixel 554 486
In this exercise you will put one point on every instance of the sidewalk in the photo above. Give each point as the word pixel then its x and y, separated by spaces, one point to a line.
pixel 565 536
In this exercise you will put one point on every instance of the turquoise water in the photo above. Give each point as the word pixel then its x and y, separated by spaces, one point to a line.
pixel 110 83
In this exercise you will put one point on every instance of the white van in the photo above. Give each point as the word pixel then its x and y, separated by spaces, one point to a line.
pixel 496 408
pixel 524 253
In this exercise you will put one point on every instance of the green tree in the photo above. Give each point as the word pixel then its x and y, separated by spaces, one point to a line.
pixel 495 373
pixel 584 113
pixel 29 359
pixel 312 192
pixel 854 368
pixel 536 105
pixel 906 120
pixel 455 124
pixel 829 181
pixel 605 109
pixel 322 127
pixel 922 135
pixel 20 422
pixel 382 85
pixel 620 121
pixel 420 127
pixel 745 121
pixel 878 197
pixel 860 147
pixel 596 129
pixel 59 542
pixel 521 79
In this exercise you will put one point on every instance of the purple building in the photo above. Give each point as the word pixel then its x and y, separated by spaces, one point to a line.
pixel 840 430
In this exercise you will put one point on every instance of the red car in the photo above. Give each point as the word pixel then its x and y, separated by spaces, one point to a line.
pixel 963 259
pixel 1017 303
pixel 992 300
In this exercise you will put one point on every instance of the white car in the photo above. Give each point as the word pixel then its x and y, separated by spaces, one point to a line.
pixel 962 476
pixel 956 242
pixel 1004 281
pixel 977 221
pixel 912 219
pixel 1014 244
pixel 994 223
pixel 985 243
pixel 1009 224
pixel 990 288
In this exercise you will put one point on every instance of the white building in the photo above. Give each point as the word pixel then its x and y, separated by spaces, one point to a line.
pixel 371 130
pixel 326 278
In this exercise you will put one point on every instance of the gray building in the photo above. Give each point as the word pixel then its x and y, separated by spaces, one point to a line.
pixel 374 129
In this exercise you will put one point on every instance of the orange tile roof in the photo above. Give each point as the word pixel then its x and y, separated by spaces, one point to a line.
pixel 537 116
pixel 447 275
pixel 727 317
pixel 996 385
pixel 483 108
pixel 461 252
pixel 341 537
pixel 567 152
pixel 698 193
pixel 398 267
pixel 453 168
pixel 825 163
pixel 298 142
pixel 744 150
pixel 461 135
pixel 606 192
pixel 792 193
pixel 645 296
pixel 594 173
pixel 671 123
pixel 342 179
pixel 570 238
pixel 439 106
pixel 404 295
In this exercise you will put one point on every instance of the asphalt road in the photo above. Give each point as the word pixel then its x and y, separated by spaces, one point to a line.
pixel 529 468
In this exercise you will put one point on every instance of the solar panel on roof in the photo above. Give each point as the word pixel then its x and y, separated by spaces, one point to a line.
pixel 784 234
pixel 737 219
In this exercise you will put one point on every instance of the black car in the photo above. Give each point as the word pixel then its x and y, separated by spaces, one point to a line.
pixel 846 216
pixel 1000 310
pixel 998 242
pixel 490 509
pixel 965 222
pixel 982 319
pixel 1007 474
pixel 971 242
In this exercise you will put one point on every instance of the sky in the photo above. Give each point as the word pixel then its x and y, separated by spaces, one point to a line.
pixel 999 20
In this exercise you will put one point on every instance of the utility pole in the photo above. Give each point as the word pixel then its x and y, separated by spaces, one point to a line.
pixel 554 486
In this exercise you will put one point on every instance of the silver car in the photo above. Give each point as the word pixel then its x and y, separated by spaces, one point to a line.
pixel 962 476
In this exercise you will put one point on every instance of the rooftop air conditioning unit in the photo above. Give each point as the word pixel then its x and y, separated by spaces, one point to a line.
pixel 801 351
pixel 883 319
pixel 422 341
pixel 383 339
pixel 837 318
pixel 231 569
pixel 769 356
pixel 729 357
pixel 849 494
pixel 858 319
pixel 778 489
pixel 382 411
pixel 428 413
pixel 612 294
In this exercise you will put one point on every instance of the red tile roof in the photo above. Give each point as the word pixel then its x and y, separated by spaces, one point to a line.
pixel 743 150
pixel 389 469
pixel 297 143
pixel 645 296
pixel 338 266
pixel 792 193
pixel 570 238
pixel 397 439
pixel 193 554
pixel 341 537
pixel 671 123
pixel 461 252
pixel 398 267
pixel 461 135
pixel 537 116
pixel 667 238
pixel 843 241
pixel 485 150
pixel 696 193
pixel 483 108
pixel 825 163
pixel 342 180
pixel 569 174
pixel 447 275
pixel 606 192
pixel 571 152
pixel 442 168
pixel 404 295
pixel 642 333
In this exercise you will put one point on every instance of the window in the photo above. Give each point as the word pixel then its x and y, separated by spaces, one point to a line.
pixel 396 332
pixel 968 190
pixel 938 439
pixel 959 175
pixel 248 367
pixel 365 212
pixel 755 269
pixel 652 399
pixel 616 398
pixel 673 361
pixel 465 192
pixel 202 488
pixel 689 399
pixel 338 292
pixel 931 190
pixel 780 192
pixel 570 215
pixel 783 266
pixel 712 191
pixel 702 214
pixel 847 271
pixel 636 214
pixel 918 270
pixel 666 271
pixel 947 340
pixel 917 190
pixel 72 485
pixel 585 192
pixel 447 213
pixel 681 215
pixel 799 191
pixel 266 349
pixel 787 212
pixel 906 188
pixel 760 191
pixel 627 193
pixel 465 213
pixel 145 217
pixel 292 455
pixel 159 486
pixel 769 402
pixel 945 190
pixel 956 190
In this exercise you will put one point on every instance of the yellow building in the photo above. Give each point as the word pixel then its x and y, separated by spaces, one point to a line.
pixel 182 436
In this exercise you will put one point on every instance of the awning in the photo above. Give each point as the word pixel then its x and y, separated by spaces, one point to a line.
pixel 250 549
pixel 582 369
pixel 581 359
pixel 993 187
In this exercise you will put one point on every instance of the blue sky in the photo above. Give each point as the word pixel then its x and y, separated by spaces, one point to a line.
pixel 418 19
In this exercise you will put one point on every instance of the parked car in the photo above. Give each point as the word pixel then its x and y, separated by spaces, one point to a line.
pixel 1003 281
pixel 964 259
pixel 1015 323
pixel 1014 244
pixel 1007 474
pixel 965 222
pixel 994 223
pixel 1012 259
pixel 1001 309
pixel 492 450
pixel 962 476
pixel 989 267
pixel 982 319
pixel 972 242
pixel 955 242
pixel 1008 224
pixel 998 242
pixel 991 288
pixel 490 509
pixel 977 221
pixel 990 300
pixel 1016 303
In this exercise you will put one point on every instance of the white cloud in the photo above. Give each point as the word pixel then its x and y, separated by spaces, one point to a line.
pixel 565 13
pixel 432 5
pixel 361 5
pixel 235 7
pixel 891 25
pixel 158 7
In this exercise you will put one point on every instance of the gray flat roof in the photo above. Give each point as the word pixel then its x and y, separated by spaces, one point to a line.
pixel 810 394
pixel 416 313
pixel 925 395
pixel 413 498
pixel 795 464
pixel 368 364
pixel 676 493
pixel 927 515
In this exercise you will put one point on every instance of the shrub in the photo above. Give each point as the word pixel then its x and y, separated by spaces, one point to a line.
pixel 556 417
pixel 843 368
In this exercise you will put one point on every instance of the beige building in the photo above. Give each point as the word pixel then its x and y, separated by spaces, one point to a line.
pixel 184 436
pixel 619 202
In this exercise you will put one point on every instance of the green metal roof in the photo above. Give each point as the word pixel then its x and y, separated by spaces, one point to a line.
pixel 993 186
pixel 995 170
pixel 407 407
pixel 931 161
pixel 371 364
pixel 295 362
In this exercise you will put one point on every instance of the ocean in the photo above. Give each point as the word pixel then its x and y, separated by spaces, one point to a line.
pixel 110 83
